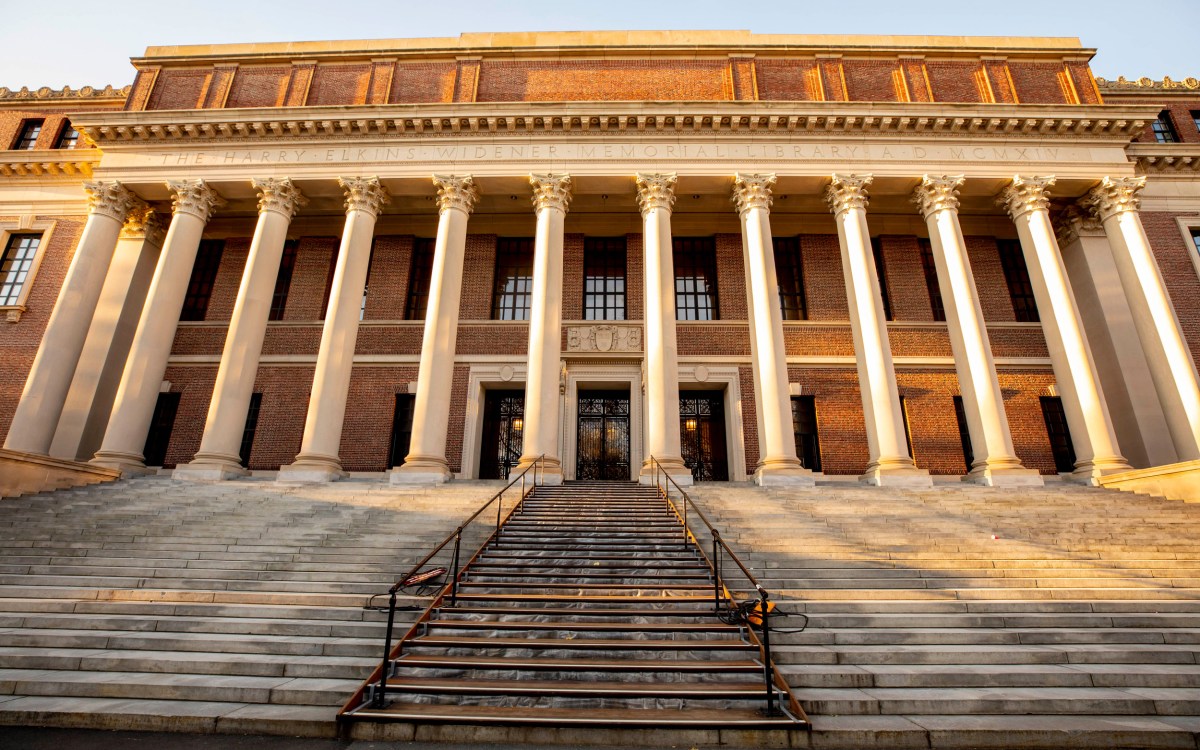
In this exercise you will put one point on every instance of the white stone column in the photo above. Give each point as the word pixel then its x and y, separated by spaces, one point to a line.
pixel 133 408
pixel 1137 415
pixel 777 464
pixel 426 460
pixel 217 459
pixel 996 462
pixel 890 464
pixel 90 400
pixel 49 381
pixel 551 196
pixel 318 458
pixel 1115 202
pixel 1027 201
pixel 656 196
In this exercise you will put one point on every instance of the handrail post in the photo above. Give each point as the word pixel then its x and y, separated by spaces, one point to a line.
pixel 454 572
pixel 766 643
pixel 716 546
pixel 685 526
pixel 377 701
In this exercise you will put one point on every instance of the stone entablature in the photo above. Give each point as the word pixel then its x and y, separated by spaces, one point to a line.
pixel 617 66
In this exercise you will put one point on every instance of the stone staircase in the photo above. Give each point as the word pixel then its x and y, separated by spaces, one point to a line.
pixel 233 607
pixel 957 617
pixel 975 617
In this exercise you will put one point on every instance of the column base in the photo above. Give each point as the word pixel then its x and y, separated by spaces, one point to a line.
pixel 211 467
pixel 674 468
pixel 1089 472
pixel 896 472
pixel 421 470
pixel 129 464
pixel 783 473
pixel 1007 474
pixel 548 472
pixel 311 468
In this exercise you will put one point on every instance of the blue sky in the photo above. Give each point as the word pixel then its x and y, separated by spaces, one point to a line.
pixel 49 44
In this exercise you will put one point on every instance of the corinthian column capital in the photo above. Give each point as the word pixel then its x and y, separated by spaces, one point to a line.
pixel 938 193
pixel 655 191
pixel 847 191
pixel 111 199
pixel 364 194
pixel 752 191
pixel 1114 195
pixel 456 192
pixel 551 191
pixel 1026 194
pixel 194 197
pixel 1073 223
pixel 278 195
pixel 144 223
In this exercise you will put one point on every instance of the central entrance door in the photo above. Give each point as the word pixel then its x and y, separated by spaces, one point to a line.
pixel 603 443
pixel 503 430
pixel 702 435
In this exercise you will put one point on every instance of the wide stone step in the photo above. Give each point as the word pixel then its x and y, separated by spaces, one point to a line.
pixel 1010 700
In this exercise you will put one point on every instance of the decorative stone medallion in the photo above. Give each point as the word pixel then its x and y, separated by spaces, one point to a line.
pixel 604 338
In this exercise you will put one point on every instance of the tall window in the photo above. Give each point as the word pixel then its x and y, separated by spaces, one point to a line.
pixel 283 282
pixel 907 428
pixel 789 271
pixel 402 419
pixel 1164 129
pixel 1059 433
pixel 362 305
pixel 162 423
pixel 419 278
pixel 931 281
pixel 881 273
pixel 804 427
pixel 250 428
pixel 604 278
pixel 15 264
pixel 1196 118
pixel 204 274
pixel 964 433
pixel 695 278
pixel 68 137
pixel 1017 276
pixel 27 138
pixel 1196 239
pixel 513 292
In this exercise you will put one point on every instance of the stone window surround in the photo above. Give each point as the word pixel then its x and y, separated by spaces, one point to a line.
pixel 25 225
pixel 1188 224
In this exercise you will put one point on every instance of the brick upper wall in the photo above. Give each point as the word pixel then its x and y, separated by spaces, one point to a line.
pixel 649 78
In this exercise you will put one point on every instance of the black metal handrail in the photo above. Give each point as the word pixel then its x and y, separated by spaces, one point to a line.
pixel 451 587
pixel 721 591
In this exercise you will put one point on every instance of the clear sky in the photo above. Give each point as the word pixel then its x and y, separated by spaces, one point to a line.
pixel 89 44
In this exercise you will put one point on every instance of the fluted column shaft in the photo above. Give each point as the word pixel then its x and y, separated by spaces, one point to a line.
pixel 551 196
pixel 991 441
pixel 1115 202
pixel 1027 201
pixel 778 463
pixel 426 460
pixel 219 447
pixel 656 197
pixel 318 459
pixel 49 381
pixel 889 464
pixel 137 394
pixel 102 361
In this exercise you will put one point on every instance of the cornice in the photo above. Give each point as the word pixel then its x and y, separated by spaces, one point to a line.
pixel 1166 84
pixel 65 95
pixel 49 162
pixel 1107 123
pixel 1165 158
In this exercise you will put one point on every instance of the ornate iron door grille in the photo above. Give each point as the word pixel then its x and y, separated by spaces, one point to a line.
pixel 503 432
pixel 603 442
pixel 702 436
